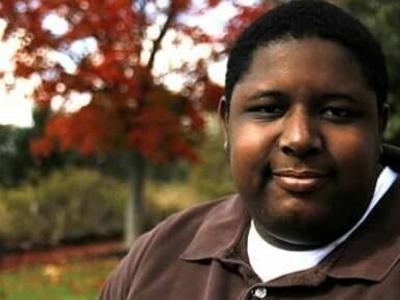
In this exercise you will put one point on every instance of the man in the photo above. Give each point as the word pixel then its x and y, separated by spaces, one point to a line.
pixel 316 215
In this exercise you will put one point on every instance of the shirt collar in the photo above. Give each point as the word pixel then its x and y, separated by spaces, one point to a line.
pixel 221 231
pixel 381 230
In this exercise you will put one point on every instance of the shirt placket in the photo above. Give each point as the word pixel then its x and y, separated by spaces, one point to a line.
pixel 272 290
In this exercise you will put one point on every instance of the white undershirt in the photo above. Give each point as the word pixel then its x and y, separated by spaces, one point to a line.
pixel 270 262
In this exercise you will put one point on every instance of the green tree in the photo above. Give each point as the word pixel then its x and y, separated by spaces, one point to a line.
pixel 382 17
pixel 14 155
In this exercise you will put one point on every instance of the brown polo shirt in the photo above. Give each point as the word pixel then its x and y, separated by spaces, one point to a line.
pixel 199 254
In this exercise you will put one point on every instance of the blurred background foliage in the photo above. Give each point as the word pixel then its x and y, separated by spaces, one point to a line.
pixel 68 204
pixel 72 200
pixel 382 17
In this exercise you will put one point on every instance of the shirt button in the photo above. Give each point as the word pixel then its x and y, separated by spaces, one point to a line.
pixel 260 293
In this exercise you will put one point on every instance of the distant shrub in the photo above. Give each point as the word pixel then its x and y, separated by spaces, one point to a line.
pixel 204 181
pixel 4 217
pixel 211 177
pixel 66 205
pixel 172 196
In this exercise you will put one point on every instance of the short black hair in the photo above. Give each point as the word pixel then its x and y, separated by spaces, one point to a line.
pixel 310 18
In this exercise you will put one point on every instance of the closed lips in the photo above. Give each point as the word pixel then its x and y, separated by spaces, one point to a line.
pixel 300 181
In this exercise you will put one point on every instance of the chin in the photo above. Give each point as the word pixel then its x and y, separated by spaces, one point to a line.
pixel 301 226
pixel 307 236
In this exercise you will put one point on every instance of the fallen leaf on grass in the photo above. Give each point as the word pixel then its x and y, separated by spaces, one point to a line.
pixel 53 272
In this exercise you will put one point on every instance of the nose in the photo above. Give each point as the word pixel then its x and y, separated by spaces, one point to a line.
pixel 300 136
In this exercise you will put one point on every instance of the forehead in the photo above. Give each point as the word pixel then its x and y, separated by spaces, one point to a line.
pixel 310 62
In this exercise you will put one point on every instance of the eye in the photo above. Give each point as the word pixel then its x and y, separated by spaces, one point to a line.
pixel 268 110
pixel 340 114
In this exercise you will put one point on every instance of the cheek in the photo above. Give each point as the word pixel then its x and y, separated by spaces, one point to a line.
pixel 250 151
pixel 355 151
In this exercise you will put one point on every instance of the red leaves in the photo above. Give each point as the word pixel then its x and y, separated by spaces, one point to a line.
pixel 41 147
pixel 155 129
pixel 180 5
pixel 158 131
pixel 211 96
pixel 213 3
pixel 245 16
pixel 86 131
pixel 117 5
pixel 152 131
pixel 130 108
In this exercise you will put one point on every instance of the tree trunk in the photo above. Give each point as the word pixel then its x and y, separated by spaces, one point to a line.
pixel 135 210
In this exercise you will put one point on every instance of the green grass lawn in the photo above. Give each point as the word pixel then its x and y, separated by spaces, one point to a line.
pixel 79 280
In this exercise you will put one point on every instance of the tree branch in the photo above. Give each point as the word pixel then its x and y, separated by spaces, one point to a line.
pixel 157 42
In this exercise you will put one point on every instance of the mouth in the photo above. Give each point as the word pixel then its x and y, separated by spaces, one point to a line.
pixel 302 181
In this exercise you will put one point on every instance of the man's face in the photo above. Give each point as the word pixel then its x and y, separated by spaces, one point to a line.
pixel 303 132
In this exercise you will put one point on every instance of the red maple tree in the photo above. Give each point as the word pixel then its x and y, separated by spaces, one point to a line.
pixel 130 109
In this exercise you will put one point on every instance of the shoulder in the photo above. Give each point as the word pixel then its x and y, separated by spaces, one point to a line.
pixel 182 226
pixel 166 243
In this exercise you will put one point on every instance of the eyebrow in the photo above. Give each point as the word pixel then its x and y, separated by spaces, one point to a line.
pixel 280 95
pixel 343 96
pixel 267 93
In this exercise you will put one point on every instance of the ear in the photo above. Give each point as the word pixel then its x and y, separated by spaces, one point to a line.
pixel 384 117
pixel 223 113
